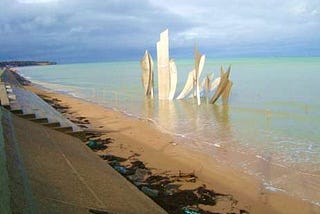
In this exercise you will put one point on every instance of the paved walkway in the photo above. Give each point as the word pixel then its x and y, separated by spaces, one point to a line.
pixel 50 172
pixel 30 103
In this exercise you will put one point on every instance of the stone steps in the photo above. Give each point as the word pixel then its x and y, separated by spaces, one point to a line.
pixel 28 105
pixel 53 125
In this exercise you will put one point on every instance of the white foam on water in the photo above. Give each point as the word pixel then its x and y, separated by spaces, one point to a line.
pixel 74 94
pixel 274 189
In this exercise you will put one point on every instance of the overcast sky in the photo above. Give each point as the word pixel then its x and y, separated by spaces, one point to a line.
pixel 106 30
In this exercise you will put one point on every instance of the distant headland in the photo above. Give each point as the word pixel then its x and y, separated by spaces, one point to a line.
pixel 24 63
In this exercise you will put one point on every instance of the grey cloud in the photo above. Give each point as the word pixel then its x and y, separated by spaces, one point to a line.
pixel 81 29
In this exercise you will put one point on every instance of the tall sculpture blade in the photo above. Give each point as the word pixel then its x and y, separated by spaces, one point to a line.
pixel 206 84
pixel 197 57
pixel 151 81
pixel 145 68
pixel 226 94
pixel 188 86
pixel 147 74
pixel 173 79
pixel 201 65
pixel 215 84
pixel 163 66
pixel 198 66
pixel 203 82
pixel 221 71
pixel 222 85
pixel 199 71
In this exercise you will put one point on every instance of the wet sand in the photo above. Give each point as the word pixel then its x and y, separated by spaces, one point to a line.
pixel 174 175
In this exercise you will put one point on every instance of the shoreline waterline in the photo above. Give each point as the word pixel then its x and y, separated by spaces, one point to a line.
pixel 219 154
pixel 230 145
pixel 221 178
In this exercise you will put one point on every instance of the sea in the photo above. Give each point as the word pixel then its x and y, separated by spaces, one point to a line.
pixel 270 128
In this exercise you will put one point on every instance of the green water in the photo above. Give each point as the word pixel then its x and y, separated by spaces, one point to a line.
pixel 273 113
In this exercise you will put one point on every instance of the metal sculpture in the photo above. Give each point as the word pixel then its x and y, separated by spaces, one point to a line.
pixel 224 81
pixel 187 87
pixel 173 79
pixel 163 66
pixel 193 81
pixel 167 76
pixel 205 87
pixel 147 74
pixel 167 70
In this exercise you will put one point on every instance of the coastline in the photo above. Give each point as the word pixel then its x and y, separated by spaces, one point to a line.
pixel 164 154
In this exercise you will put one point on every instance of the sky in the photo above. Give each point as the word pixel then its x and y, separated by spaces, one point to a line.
pixel 108 30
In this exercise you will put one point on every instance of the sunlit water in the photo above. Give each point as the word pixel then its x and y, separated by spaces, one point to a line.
pixel 270 129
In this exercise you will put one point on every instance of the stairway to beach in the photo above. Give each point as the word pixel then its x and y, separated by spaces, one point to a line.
pixel 46 167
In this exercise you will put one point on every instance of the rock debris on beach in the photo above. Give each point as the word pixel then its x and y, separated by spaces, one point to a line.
pixel 164 188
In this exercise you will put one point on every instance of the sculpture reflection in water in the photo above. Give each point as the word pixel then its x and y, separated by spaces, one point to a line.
pixel 208 127
pixel 167 77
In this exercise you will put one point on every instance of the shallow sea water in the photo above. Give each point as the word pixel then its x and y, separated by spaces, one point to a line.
pixel 270 129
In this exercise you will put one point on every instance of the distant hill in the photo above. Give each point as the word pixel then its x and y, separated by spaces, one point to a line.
pixel 25 63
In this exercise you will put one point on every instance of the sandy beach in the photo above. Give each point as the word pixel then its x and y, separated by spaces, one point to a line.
pixel 178 107
pixel 139 140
